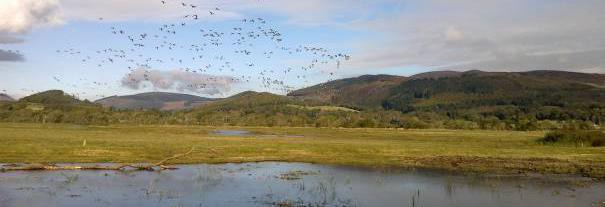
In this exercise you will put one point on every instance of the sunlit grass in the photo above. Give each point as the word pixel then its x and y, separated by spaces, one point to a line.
pixel 498 151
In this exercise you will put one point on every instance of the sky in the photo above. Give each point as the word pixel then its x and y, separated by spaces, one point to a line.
pixel 71 45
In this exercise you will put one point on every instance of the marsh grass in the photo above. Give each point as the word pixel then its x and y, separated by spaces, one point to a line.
pixel 459 150
pixel 577 137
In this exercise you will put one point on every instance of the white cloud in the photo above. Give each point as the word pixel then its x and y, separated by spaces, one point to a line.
pixel 20 16
pixel 179 80
pixel 453 34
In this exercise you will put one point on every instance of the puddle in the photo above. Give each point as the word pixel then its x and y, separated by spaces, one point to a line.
pixel 232 132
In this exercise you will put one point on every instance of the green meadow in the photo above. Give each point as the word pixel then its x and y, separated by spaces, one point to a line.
pixel 458 150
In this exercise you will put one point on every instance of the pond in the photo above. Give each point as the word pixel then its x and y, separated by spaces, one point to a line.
pixel 242 133
pixel 232 132
pixel 290 184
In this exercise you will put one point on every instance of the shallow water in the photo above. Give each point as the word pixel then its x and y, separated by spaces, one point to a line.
pixel 232 132
pixel 296 184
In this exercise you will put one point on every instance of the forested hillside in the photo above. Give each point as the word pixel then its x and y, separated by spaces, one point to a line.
pixel 490 100
pixel 154 100
pixel 468 100
pixel 366 91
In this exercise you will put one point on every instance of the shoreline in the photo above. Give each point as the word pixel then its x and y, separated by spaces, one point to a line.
pixel 480 172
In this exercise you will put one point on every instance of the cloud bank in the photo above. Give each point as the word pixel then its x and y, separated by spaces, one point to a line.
pixel 19 17
pixel 179 80
pixel 492 35
pixel 7 39
pixel 10 56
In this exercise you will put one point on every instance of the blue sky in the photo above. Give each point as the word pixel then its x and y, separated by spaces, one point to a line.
pixel 399 37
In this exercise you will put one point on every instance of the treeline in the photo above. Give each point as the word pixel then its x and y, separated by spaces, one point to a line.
pixel 255 112
pixel 462 111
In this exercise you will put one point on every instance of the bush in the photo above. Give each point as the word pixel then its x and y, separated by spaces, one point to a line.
pixel 578 137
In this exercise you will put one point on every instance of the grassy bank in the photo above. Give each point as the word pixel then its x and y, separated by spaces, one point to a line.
pixel 478 151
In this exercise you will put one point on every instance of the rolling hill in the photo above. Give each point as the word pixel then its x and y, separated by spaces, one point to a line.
pixel 53 97
pixel 457 100
pixel 366 91
pixel 450 87
pixel 563 93
pixel 155 100
pixel 6 98
pixel 476 96
pixel 266 109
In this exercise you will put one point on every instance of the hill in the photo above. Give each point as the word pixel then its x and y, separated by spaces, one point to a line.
pixel 53 97
pixel 507 98
pixel 6 98
pixel 246 108
pixel 266 109
pixel 373 91
pixel 455 100
pixel 366 91
pixel 53 106
pixel 510 97
pixel 154 100
pixel 436 75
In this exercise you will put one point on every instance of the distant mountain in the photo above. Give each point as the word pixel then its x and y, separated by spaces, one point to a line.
pixel 489 92
pixel 436 75
pixel 6 98
pixel 564 76
pixel 451 92
pixel 457 100
pixel 155 100
pixel 361 92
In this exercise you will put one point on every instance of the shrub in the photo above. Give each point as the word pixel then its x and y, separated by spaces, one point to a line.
pixel 578 137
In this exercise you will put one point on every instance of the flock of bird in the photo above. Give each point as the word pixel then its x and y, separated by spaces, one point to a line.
pixel 245 51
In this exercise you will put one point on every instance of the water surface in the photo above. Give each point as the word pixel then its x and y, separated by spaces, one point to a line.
pixel 290 184
pixel 225 132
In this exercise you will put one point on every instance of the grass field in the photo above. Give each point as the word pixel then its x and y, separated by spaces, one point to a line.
pixel 472 151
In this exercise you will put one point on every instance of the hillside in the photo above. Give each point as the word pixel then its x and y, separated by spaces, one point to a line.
pixel 53 97
pixel 507 98
pixel 529 91
pixel 53 106
pixel 455 100
pixel 266 109
pixel 247 108
pixel 437 75
pixel 154 100
pixel 374 91
pixel 366 91
pixel 6 98
pixel 49 97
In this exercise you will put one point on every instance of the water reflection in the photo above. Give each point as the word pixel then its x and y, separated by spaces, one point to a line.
pixel 289 184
